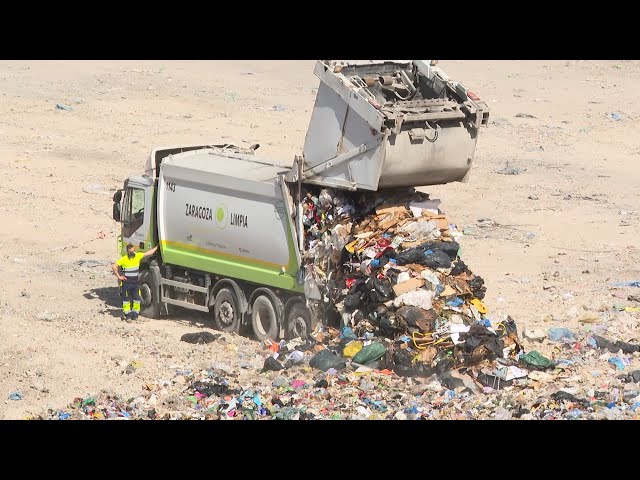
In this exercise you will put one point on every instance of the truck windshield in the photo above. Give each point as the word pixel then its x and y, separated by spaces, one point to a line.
pixel 133 211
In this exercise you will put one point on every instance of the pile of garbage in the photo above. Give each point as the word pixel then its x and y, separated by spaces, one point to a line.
pixel 387 266
pixel 290 386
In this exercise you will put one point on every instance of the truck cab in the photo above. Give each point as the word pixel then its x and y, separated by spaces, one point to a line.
pixel 133 206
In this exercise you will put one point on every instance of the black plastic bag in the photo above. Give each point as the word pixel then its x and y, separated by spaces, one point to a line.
pixel 448 248
pixel 459 267
pixel 418 369
pixel 613 347
pixel 403 357
pixel 354 300
pixel 631 377
pixel 200 337
pixel 379 290
pixel 436 259
pixel 208 389
pixel 560 396
pixel 477 287
pixel 479 335
pixel 411 255
pixel 389 325
pixel 272 364
pixel 325 359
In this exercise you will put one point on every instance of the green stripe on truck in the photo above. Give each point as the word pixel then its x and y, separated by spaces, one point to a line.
pixel 228 265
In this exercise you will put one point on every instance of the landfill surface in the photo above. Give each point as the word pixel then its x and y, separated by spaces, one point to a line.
pixel 548 220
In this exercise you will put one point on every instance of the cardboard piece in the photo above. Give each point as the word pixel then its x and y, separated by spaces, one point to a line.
pixel 408 286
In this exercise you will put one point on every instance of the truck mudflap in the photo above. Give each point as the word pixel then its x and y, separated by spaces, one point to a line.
pixel 385 124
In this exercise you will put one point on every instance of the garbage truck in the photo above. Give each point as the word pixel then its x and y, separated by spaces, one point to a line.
pixel 228 222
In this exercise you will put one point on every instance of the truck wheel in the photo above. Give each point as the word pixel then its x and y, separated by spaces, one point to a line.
pixel 226 315
pixel 264 319
pixel 149 304
pixel 298 322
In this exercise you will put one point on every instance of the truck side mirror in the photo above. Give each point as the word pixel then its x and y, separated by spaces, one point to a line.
pixel 117 196
pixel 116 211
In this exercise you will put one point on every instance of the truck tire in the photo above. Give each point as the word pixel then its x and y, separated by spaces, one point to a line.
pixel 298 322
pixel 264 320
pixel 226 314
pixel 149 303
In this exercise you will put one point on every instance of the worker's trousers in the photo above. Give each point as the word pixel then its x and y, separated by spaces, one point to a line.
pixel 130 292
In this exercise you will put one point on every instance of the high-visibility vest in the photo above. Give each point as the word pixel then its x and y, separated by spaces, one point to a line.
pixel 130 266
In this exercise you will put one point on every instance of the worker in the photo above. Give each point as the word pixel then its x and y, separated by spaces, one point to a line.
pixel 126 269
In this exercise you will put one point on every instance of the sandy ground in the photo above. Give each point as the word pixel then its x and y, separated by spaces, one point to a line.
pixel 563 230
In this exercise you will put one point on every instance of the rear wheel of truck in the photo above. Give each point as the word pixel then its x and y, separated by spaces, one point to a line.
pixel 149 304
pixel 226 314
pixel 264 320
pixel 298 322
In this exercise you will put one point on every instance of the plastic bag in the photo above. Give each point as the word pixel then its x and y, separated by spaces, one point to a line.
pixel 535 360
pixel 272 364
pixel 421 230
pixel 380 290
pixel 559 334
pixel 352 349
pixel 311 289
pixel 370 353
pixel 325 360
pixel 417 298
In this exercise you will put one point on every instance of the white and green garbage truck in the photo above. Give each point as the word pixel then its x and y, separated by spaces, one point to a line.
pixel 229 223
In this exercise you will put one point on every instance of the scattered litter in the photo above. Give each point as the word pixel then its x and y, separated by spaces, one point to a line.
pixel 559 334
pixel 618 362
pixel 132 367
pixel 590 318
pixel 96 188
pixel 524 115
pixel 15 396
pixel 407 337
pixel 47 317
pixel 635 283
pixel 510 170
pixel 92 263
pixel 61 106
pixel 500 121
pixel 200 337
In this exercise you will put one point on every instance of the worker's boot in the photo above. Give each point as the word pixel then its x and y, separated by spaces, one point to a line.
pixel 126 312
pixel 135 311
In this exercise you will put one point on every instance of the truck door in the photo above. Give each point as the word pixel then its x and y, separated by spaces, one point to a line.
pixel 136 216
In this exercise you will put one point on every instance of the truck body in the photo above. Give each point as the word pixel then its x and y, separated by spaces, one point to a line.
pixel 229 223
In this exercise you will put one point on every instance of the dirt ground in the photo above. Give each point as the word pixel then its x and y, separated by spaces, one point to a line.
pixel 560 232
